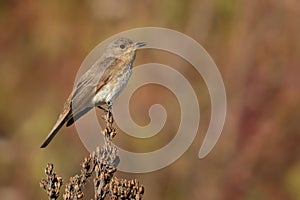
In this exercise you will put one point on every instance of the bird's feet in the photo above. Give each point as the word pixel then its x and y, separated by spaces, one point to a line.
pixel 107 111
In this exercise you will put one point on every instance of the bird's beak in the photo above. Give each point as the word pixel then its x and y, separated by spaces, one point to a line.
pixel 139 44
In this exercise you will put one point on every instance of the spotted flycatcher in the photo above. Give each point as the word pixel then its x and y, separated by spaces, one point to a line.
pixel 100 85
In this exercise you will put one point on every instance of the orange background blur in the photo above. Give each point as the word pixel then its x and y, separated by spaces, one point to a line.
pixel 255 44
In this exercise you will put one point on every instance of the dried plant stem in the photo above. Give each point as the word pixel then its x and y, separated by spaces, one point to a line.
pixel 52 183
pixel 103 162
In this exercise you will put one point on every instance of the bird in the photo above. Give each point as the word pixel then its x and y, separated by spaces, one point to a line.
pixel 100 84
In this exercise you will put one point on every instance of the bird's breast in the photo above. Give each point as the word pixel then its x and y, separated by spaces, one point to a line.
pixel 113 87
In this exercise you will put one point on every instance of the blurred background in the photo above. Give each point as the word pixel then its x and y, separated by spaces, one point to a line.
pixel 255 44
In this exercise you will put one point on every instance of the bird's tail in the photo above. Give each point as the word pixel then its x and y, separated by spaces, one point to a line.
pixel 62 119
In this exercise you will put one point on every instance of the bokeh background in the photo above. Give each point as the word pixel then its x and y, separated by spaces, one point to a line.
pixel 255 44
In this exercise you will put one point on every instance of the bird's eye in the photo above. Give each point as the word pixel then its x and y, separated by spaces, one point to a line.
pixel 122 46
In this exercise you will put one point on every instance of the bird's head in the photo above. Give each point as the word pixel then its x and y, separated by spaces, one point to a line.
pixel 122 47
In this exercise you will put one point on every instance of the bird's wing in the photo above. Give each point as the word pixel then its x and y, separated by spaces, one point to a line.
pixel 84 90
pixel 79 101
pixel 88 85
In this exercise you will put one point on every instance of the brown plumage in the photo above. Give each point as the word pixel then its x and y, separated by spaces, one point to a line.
pixel 100 85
